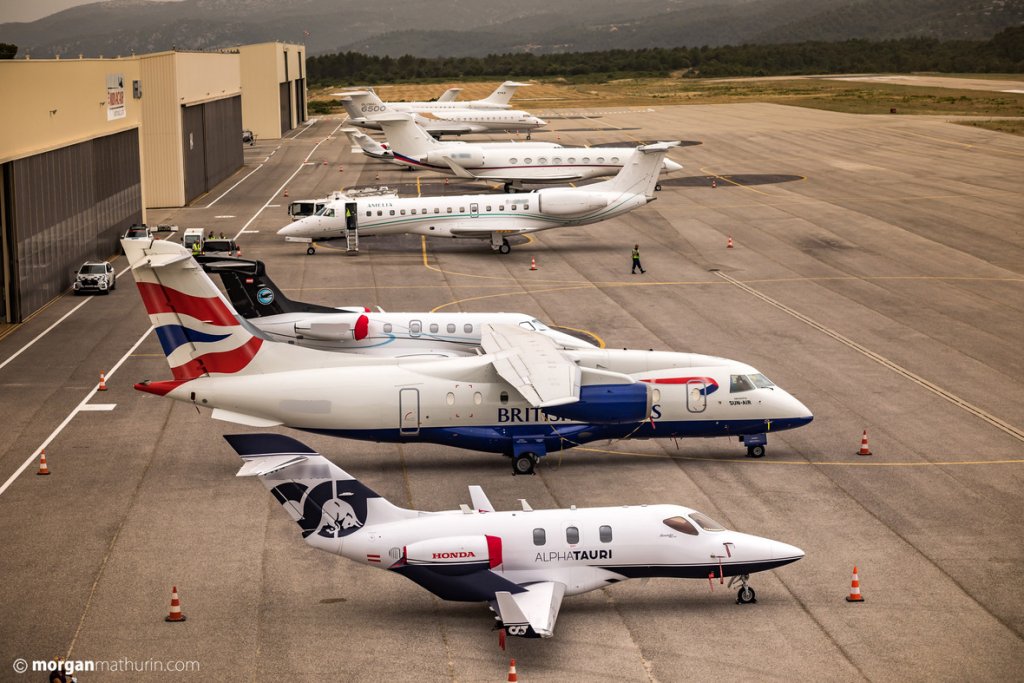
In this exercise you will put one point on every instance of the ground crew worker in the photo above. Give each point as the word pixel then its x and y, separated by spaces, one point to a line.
pixel 195 248
pixel 636 260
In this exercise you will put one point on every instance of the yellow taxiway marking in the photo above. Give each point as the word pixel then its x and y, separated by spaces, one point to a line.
pixel 727 179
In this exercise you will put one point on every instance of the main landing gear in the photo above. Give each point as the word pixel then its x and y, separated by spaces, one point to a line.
pixel 746 594
pixel 311 250
pixel 524 463
pixel 502 247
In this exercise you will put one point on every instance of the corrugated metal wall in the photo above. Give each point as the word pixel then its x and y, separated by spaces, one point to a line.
pixel 286 109
pixel 64 207
pixel 212 143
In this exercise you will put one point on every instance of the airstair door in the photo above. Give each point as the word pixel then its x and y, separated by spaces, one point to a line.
pixel 696 396
pixel 352 227
pixel 409 412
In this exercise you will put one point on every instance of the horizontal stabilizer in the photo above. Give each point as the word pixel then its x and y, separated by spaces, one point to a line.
pixel 161 260
pixel 243 419
pixel 533 613
pixel 533 364
pixel 266 464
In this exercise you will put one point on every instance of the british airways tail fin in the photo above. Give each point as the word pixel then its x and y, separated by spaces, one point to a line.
pixel 325 501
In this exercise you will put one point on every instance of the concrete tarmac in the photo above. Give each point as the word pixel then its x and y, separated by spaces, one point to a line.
pixel 877 274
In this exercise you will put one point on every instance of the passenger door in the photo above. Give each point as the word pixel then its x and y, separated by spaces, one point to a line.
pixel 696 396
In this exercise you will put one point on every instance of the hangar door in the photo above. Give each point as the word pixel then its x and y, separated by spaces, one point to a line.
pixel 212 140
pixel 300 100
pixel 286 108
pixel 60 208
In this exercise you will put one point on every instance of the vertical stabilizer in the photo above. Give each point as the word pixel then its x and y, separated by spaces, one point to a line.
pixel 639 173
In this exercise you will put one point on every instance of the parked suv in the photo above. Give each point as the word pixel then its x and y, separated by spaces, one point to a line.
pixel 95 276
pixel 220 247
pixel 139 231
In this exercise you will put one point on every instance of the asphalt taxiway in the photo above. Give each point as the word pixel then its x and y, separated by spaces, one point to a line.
pixel 877 274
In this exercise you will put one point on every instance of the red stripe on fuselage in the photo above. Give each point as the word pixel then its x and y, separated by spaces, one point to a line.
pixel 161 299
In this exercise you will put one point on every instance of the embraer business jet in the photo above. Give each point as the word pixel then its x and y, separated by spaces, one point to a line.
pixel 363 107
pixel 520 562
pixel 510 163
pixel 488 216
pixel 357 329
pixel 524 397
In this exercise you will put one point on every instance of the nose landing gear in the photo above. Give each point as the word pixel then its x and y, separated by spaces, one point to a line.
pixel 746 594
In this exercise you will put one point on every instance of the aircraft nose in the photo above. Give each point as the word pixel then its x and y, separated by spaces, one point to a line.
pixel 539 121
pixel 785 551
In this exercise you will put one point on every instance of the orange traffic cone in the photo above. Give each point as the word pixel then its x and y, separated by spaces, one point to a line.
pixel 864 450
pixel 325 162
pixel 728 244
pixel 175 614
pixel 714 183
pixel 377 177
pixel 103 382
pixel 855 595
pixel 286 192
pixel 533 263
pixel 341 169
pixel 513 677
pixel 238 252
pixel 43 469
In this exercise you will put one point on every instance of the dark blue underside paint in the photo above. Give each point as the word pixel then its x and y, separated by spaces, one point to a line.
pixel 696 571
pixel 559 436
pixel 476 587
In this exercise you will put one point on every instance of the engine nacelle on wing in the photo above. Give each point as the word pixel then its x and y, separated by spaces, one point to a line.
pixel 561 202
pixel 334 327
pixel 607 403
pixel 464 155
pixel 455 555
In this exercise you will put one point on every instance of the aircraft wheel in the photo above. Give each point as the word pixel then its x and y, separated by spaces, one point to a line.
pixel 504 248
pixel 311 250
pixel 657 188
pixel 755 451
pixel 524 463
pixel 745 596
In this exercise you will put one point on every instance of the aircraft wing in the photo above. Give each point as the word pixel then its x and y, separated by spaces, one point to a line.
pixel 458 169
pixel 532 613
pixel 533 364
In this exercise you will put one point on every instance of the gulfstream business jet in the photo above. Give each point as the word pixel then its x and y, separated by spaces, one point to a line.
pixel 499 99
pixel 522 563
pixel 488 216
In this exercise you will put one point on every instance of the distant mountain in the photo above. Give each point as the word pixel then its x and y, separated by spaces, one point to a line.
pixel 479 27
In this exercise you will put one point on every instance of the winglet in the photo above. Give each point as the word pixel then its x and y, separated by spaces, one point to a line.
pixel 479 498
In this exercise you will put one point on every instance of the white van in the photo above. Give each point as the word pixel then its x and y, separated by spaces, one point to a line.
pixel 191 236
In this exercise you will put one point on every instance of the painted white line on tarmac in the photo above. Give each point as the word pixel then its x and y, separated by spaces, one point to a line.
pixel 234 186
pixel 99 407
pixel 77 409
pixel 45 332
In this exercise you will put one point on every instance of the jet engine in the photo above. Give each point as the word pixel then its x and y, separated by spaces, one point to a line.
pixel 607 403
pixel 464 155
pixel 454 555
pixel 562 202
pixel 334 328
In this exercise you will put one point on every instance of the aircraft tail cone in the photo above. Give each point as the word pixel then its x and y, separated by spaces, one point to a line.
pixel 533 263
pixel 855 595
pixel 175 614
pixel 513 677
pixel 728 244
pixel 864 450
pixel 43 469
pixel 103 382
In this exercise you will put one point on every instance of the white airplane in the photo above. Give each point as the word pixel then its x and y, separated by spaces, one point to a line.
pixel 357 329
pixel 523 562
pixel 363 107
pixel 499 99
pixel 488 216
pixel 524 397
pixel 510 163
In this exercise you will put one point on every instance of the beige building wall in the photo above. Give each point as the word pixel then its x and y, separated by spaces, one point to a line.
pixel 263 71
pixel 53 103
pixel 171 80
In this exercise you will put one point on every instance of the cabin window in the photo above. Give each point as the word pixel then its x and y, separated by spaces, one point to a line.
pixel 705 522
pixel 606 533
pixel 572 535
pixel 369 213
pixel 468 328
pixel 681 524
pixel 615 160
pixel 478 398
pixel 387 327
pixel 412 212
pixel 488 208
pixel 739 383
pixel 540 537
pixel 514 207
pixel 415 326
pixel 556 160
pixel 379 212
pixel 656 396
pixel 402 212
pixel 450 399
pixel 462 209
pixel 437 210
pixel 526 206
pixel 449 209
pixel 586 160
pixel 542 160
pixel 503 397
pixel 433 328
pixel 391 212
pixel 513 160
pixel 501 207
pixel 572 160
pixel 527 160
pixel 451 328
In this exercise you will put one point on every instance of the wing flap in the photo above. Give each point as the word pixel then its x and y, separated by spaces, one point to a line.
pixel 536 609
pixel 533 364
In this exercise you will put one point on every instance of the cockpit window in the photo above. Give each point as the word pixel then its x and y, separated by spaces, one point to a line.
pixel 738 383
pixel 705 522
pixel 681 524
pixel 761 382
pixel 538 325
pixel 328 213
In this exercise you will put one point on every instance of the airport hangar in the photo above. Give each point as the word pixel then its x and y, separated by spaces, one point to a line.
pixel 87 145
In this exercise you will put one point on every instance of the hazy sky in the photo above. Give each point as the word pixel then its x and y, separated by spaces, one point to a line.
pixel 30 10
